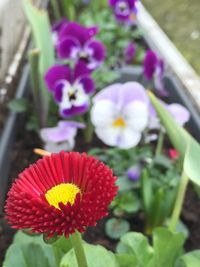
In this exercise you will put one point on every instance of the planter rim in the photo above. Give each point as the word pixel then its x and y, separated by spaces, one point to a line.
pixel 158 40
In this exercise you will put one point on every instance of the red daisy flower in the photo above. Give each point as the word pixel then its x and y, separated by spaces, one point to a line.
pixel 61 193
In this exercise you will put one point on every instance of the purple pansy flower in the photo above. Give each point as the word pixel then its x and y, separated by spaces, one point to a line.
pixel 134 172
pixel 123 9
pixel 61 137
pixel 129 52
pixel 56 28
pixel 71 88
pixel 154 69
pixel 76 42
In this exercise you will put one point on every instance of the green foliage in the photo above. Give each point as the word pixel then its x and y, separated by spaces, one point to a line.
pixel 136 244
pixel 30 250
pixel 41 30
pixel 158 190
pixel 120 160
pixel 102 80
pixel 191 259
pixel 26 255
pixel 125 260
pixel 166 249
pixel 23 251
pixel 116 228
pixel 97 256
pixel 155 191
pixel 126 203
pixel 18 105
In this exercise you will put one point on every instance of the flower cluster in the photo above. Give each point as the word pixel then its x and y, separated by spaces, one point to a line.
pixel 123 9
pixel 60 194
pixel 72 85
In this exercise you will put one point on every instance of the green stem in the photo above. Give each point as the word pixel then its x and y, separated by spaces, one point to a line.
pixel 56 10
pixel 179 202
pixel 160 143
pixel 34 57
pixel 77 244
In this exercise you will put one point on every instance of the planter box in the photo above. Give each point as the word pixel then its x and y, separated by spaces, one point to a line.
pixel 7 139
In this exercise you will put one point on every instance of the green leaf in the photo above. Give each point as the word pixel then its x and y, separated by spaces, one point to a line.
pixel 191 259
pixel 18 105
pixel 21 238
pixel 115 228
pixel 147 191
pixel 63 244
pixel 97 256
pixel 187 146
pixel 167 246
pixel 182 228
pixel 126 260
pixel 41 30
pixel 192 161
pixel 26 255
pixel 50 240
pixel 177 135
pixel 127 202
pixel 137 245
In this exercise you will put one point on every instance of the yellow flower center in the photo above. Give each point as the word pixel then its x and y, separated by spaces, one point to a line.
pixel 62 193
pixel 119 123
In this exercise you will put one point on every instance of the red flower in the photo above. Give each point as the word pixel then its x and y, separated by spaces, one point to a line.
pixel 61 193
pixel 173 153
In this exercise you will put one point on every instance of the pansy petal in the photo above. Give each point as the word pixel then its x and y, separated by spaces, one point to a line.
pixel 129 52
pixel 136 115
pixel 57 26
pixel 58 147
pixel 112 3
pixel 92 31
pixel 57 134
pixel 74 110
pixel 132 3
pixel 66 46
pixel 129 138
pixel 179 112
pixel 55 74
pixel 80 70
pixel 150 62
pixel 58 93
pixel 73 124
pixel 75 30
pixel 108 134
pixel 98 50
pixel 103 113
pixel 88 84
pixel 133 91
pixel 110 93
